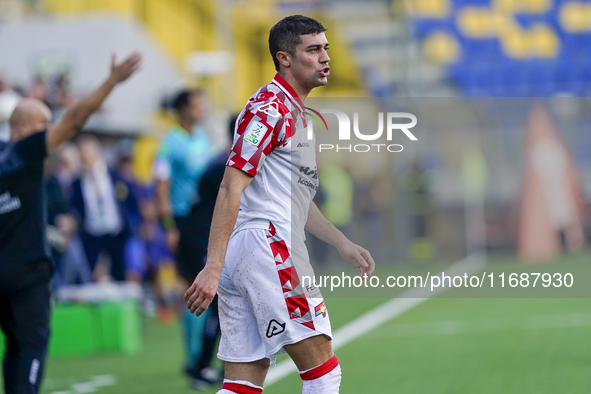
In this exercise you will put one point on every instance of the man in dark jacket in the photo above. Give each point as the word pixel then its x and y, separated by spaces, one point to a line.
pixel 25 266
pixel 199 224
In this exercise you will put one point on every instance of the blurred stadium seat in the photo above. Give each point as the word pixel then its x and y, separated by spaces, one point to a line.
pixel 511 47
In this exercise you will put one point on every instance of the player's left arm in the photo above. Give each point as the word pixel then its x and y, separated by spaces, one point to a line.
pixel 357 256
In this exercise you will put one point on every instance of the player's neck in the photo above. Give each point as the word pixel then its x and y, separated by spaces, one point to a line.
pixel 187 125
pixel 301 92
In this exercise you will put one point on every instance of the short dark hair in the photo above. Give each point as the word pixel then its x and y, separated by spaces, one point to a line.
pixel 183 97
pixel 285 35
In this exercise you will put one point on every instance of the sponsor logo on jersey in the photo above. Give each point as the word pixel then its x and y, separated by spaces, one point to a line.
pixel 303 145
pixel 8 203
pixel 255 133
pixel 311 172
pixel 320 309
pixel 275 328
pixel 309 184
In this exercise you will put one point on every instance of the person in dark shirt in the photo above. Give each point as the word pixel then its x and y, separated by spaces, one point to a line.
pixel 25 265
pixel 199 223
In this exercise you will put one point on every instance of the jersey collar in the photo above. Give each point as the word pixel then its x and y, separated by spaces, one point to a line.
pixel 283 85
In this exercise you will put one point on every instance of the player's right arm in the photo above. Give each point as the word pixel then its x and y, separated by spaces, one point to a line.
pixel 261 128
pixel 204 288
pixel 77 115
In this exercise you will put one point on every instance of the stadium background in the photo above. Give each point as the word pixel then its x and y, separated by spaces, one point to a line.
pixel 412 210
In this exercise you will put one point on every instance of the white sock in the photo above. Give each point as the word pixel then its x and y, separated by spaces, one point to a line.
pixel 239 387
pixel 322 379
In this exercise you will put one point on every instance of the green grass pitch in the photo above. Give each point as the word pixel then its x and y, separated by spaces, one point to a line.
pixel 445 345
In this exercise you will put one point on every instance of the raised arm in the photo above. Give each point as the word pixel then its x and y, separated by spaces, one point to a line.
pixel 204 288
pixel 77 115
pixel 357 256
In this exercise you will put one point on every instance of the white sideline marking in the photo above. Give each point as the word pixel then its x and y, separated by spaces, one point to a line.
pixel 453 327
pixel 382 314
pixel 86 387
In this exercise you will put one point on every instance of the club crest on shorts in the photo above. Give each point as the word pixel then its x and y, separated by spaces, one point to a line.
pixel 320 309
pixel 275 328
pixel 255 133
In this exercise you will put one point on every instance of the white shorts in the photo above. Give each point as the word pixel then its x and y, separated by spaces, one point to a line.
pixel 261 301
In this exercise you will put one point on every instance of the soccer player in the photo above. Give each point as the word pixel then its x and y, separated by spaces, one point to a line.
pixel 25 266
pixel 256 253
pixel 179 165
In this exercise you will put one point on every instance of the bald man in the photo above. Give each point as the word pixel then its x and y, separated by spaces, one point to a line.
pixel 25 266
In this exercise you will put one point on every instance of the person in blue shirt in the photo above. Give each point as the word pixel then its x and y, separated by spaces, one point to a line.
pixel 25 265
pixel 179 165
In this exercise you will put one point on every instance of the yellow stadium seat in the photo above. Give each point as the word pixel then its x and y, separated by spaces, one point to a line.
pixel 477 22
pixel 441 48
pixel 515 44
pixel 544 42
pixel 536 6
pixel 506 6
pixel 431 9
pixel 528 6
pixel 575 17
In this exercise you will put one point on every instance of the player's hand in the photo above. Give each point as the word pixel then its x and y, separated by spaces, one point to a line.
pixel 359 258
pixel 120 72
pixel 202 291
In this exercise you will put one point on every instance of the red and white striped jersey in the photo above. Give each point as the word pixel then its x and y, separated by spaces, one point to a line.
pixel 271 144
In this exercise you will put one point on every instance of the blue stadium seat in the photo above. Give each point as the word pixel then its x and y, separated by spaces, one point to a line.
pixel 484 70
pixel 575 46
pixel 540 80
pixel 567 78
pixel 463 3
pixel 584 68
pixel 527 21
pixel 513 79
pixel 481 50
pixel 465 79
pixel 559 3
pixel 424 27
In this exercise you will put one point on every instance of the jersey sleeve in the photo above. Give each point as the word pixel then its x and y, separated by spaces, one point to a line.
pixel 262 127
pixel 33 149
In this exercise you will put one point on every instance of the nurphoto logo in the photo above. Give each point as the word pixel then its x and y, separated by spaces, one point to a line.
pixel 392 128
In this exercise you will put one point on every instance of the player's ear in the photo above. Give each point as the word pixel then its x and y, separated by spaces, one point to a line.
pixel 284 58
pixel 22 126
